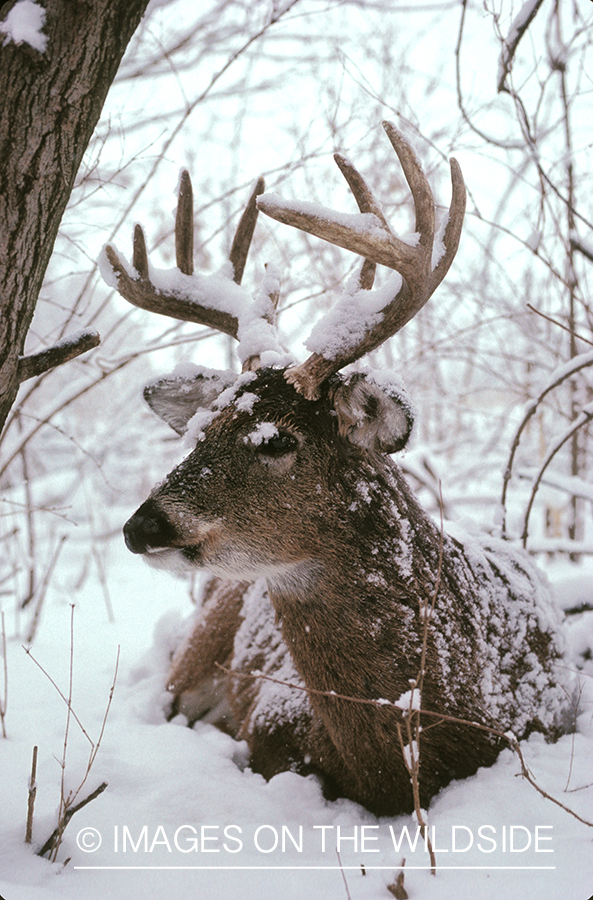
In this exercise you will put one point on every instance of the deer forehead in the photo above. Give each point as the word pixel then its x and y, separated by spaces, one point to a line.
pixel 262 410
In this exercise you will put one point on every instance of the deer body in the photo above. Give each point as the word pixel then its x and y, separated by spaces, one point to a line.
pixel 377 614
pixel 352 564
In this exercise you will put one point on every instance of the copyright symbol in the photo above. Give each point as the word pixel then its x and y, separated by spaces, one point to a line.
pixel 88 840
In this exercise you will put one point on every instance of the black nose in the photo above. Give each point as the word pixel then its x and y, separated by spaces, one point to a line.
pixel 148 529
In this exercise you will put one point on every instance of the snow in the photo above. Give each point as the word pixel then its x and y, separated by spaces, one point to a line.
pixel 408 701
pixel 198 423
pixel 257 333
pixel 24 24
pixel 363 223
pixel 569 484
pixel 410 752
pixel 183 814
pixel 438 247
pixel 351 316
pixel 564 370
pixel 106 270
pixel 217 291
pixel 263 432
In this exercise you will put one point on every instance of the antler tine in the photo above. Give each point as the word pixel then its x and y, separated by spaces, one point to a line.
pixel 352 233
pixel 418 184
pixel 141 292
pixel 366 200
pixel 366 278
pixel 452 233
pixel 373 239
pixel 139 252
pixel 184 225
pixel 138 289
pixel 244 232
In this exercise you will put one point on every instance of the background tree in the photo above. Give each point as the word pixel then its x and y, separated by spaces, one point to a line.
pixel 57 62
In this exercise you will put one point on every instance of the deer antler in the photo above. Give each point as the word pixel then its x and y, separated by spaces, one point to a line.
pixel 179 301
pixel 422 264
pixel 219 302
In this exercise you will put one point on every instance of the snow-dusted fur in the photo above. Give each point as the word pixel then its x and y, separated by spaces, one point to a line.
pixel 350 563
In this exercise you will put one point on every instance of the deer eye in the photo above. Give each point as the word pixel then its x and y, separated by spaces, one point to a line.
pixel 278 444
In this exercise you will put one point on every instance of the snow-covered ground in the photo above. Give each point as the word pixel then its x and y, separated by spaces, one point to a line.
pixel 183 816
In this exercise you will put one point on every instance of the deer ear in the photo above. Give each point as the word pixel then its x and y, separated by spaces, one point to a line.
pixel 376 417
pixel 176 398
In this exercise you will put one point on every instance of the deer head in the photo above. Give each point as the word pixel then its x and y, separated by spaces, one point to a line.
pixel 260 420
pixel 290 480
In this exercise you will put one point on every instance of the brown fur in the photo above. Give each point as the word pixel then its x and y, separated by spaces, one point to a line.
pixel 350 561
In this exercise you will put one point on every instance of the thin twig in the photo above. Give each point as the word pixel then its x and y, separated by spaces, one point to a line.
pixel 575 701
pixel 31 798
pixel 95 749
pixel 65 699
pixel 29 520
pixel 66 809
pixel 583 419
pixel 65 801
pixel 343 874
pixel 509 47
pixel 58 832
pixel 43 589
pixel 580 362
pixel 412 715
pixel 382 704
pixel 554 321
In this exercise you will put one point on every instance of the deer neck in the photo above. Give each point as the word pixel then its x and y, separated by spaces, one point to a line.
pixel 344 614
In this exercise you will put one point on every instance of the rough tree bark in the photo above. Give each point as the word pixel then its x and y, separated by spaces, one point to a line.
pixel 51 102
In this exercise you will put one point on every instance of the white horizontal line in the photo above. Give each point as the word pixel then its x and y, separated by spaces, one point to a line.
pixel 316 868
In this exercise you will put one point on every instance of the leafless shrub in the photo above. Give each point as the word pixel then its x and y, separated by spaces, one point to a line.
pixel 68 805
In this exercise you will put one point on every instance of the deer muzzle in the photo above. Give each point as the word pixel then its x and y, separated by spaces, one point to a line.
pixel 149 529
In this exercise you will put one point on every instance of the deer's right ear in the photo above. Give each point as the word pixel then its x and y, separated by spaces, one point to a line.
pixel 373 416
pixel 176 398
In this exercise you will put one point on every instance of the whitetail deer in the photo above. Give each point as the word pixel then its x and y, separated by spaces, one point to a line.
pixel 290 490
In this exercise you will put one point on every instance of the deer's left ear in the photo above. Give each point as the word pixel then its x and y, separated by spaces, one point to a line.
pixel 176 398
pixel 378 418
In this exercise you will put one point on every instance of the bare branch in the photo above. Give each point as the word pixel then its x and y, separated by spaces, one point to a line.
pixel 580 362
pixel 442 717
pixel 518 28
pixel 585 417
pixel 70 348
pixel 55 838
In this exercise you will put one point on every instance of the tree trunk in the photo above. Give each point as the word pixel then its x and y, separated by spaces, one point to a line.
pixel 51 102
